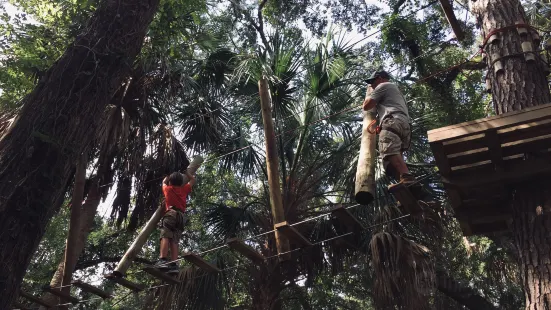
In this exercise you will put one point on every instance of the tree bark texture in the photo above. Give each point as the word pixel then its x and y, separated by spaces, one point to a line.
pixel 87 215
pixel 521 85
pixel 532 232
pixel 56 123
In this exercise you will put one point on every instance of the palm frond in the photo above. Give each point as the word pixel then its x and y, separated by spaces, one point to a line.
pixel 404 272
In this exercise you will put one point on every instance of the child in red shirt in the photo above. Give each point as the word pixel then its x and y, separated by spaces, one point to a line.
pixel 174 220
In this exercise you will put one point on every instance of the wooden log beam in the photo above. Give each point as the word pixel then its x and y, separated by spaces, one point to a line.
pixel 238 245
pixel 454 23
pixel 292 234
pixel 71 249
pixel 35 300
pixel 122 281
pixel 161 275
pixel 61 294
pixel 139 242
pixel 365 172
pixel 91 289
pixel 200 262
pixel 272 165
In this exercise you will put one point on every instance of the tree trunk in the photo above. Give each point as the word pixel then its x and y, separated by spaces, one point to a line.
pixel 89 208
pixel 56 123
pixel 520 85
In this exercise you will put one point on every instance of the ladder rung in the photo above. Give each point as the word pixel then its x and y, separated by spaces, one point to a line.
pixel 34 299
pixel 238 245
pixel 346 218
pixel 62 295
pixel 163 276
pixel 122 281
pixel 405 197
pixel 292 234
pixel 200 262
pixel 91 289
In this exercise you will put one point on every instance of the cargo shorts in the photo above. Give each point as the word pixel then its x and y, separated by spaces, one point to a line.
pixel 173 224
pixel 394 137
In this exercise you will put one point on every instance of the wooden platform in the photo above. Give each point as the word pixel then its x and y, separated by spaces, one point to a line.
pixel 91 289
pixel 122 281
pixel 238 245
pixel 480 160
pixel 292 234
pixel 200 262
pixel 161 275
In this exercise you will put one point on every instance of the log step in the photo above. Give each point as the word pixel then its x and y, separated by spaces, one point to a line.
pixel 292 234
pixel 239 246
pixel 347 219
pixel 20 306
pixel 405 197
pixel 200 262
pixel 62 295
pixel 91 289
pixel 161 275
pixel 122 281
pixel 34 299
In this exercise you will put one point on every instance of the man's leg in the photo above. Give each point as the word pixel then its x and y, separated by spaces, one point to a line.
pixel 399 165
pixel 173 251
pixel 165 245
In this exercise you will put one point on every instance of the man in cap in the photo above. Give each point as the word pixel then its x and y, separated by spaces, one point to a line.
pixel 395 131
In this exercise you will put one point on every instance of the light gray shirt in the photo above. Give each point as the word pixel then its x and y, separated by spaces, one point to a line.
pixel 390 101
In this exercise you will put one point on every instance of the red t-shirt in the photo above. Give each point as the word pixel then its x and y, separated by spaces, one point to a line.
pixel 176 196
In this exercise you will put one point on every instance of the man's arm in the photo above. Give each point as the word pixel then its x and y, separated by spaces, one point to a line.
pixel 369 103
pixel 191 178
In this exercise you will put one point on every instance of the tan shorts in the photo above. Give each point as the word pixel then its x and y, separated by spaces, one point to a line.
pixel 173 224
pixel 396 140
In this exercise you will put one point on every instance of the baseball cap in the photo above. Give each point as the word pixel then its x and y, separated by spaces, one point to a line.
pixel 376 74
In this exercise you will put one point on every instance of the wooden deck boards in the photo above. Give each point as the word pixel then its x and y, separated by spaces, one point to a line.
pixel 124 282
pixel 91 289
pixel 491 154
pixel 161 275
pixel 292 234
pixel 200 262
pixel 238 245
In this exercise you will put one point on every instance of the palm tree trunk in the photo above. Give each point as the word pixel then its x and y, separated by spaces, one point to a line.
pixel 56 123
pixel 521 85
pixel 88 212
